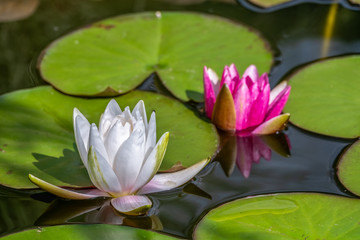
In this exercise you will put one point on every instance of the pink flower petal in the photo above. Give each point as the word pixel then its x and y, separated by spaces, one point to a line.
pixel 132 204
pixel 251 72
pixel 278 103
pixel 226 77
pixel 210 91
pixel 261 102
pixel 277 90
pixel 242 106
pixel 231 78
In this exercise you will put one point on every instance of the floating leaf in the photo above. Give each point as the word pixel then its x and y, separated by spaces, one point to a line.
pixel 325 99
pixel 268 3
pixel 84 232
pixel 284 217
pixel 37 134
pixel 115 55
pixel 348 169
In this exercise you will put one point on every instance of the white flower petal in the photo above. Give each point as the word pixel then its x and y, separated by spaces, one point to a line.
pixel 105 126
pixel 140 107
pixel 82 130
pixel 167 181
pixel 152 163
pixel 64 193
pixel 111 110
pixel 129 159
pixel 132 204
pixel 115 138
pixel 141 126
pixel 96 141
pixel 128 116
pixel 101 173
pixel 150 135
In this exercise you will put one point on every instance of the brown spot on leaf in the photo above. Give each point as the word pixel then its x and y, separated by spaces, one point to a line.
pixel 9 172
pixel 2 150
pixel 5 145
pixel 105 26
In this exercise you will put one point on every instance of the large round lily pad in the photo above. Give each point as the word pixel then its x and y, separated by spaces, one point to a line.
pixel 325 98
pixel 37 134
pixel 87 232
pixel 284 217
pixel 115 55
pixel 348 169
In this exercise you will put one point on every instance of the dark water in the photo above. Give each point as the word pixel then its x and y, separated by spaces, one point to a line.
pixel 296 35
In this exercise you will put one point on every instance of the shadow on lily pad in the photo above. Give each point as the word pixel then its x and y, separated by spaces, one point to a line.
pixel 62 168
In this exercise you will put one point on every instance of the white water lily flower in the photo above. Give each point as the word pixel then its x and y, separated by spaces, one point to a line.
pixel 122 158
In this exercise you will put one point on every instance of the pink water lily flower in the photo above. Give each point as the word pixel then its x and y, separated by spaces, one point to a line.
pixel 245 104
pixel 122 158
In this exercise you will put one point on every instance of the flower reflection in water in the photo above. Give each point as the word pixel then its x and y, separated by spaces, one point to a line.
pixel 244 151
pixel 94 211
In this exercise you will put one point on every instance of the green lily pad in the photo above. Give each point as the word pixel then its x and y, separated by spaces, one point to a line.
pixel 325 99
pixel 115 55
pixel 37 134
pixel 85 232
pixel 283 217
pixel 348 168
pixel 268 3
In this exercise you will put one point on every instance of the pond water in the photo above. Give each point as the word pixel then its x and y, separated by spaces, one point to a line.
pixel 295 33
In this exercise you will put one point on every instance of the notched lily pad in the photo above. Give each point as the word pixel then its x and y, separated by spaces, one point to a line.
pixel 348 168
pixel 37 134
pixel 116 55
pixel 284 217
pixel 325 97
